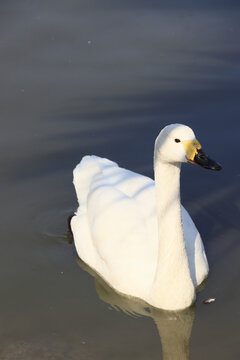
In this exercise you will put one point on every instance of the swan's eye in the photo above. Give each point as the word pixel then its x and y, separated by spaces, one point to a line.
pixel 177 140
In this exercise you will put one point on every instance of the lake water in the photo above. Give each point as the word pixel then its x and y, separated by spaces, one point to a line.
pixel 103 77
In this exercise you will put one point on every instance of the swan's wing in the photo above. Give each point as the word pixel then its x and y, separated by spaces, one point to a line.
pixel 139 189
pixel 119 234
pixel 135 186
pixel 115 220
pixel 94 171
pixel 86 172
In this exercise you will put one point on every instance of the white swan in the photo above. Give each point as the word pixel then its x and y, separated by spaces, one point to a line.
pixel 134 232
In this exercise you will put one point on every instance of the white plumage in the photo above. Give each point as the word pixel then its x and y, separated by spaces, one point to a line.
pixel 139 247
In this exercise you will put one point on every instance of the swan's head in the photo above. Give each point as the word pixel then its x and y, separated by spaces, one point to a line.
pixel 177 143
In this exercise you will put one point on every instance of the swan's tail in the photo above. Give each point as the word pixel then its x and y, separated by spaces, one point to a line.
pixel 89 167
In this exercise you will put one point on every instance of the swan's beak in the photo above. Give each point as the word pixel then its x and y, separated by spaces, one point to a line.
pixel 195 155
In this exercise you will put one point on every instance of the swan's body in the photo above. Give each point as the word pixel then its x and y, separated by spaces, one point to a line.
pixel 135 233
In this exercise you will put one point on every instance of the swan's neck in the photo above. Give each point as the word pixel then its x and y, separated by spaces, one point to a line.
pixel 172 287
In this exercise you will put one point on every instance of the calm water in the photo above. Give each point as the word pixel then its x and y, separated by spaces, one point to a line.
pixel 103 77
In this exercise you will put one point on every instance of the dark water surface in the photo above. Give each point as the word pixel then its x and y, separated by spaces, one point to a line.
pixel 103 77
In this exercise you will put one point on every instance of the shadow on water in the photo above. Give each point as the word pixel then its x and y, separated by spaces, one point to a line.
pixel 174 328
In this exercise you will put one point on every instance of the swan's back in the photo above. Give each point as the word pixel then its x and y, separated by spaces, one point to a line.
pixel 94 172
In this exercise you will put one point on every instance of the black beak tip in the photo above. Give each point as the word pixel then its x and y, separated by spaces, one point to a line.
pixel 216 167
pixel 203 160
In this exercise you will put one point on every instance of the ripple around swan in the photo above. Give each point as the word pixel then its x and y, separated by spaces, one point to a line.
pixel 53 224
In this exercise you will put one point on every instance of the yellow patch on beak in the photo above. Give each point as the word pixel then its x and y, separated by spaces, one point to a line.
pixel 191 147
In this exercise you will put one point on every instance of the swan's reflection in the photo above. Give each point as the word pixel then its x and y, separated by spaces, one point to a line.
pixel 174 327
